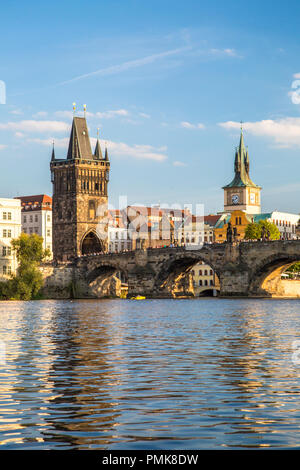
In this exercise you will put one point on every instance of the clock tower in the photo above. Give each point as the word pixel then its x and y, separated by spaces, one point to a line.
pixel 242 193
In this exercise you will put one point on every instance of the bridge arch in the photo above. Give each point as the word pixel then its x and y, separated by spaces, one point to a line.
pixel 173 275
pixel 266 278
pixel 107 280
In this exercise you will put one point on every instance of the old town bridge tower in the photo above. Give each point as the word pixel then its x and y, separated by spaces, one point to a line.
pixel 79 196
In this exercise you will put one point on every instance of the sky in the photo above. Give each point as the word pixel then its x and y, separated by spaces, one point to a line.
pixel 167 84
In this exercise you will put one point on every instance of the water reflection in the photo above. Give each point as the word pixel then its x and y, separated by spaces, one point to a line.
pixel 150 374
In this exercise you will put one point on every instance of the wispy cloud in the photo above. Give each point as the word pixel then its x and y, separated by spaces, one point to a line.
pixel 189 125
pixel 284 132
pixel 100 114
pixel 2 146
pixel 178 163
pixel 131 64
pixel 35 126
pixel 117 149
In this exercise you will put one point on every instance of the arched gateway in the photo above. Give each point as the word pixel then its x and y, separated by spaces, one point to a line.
pixel 91 244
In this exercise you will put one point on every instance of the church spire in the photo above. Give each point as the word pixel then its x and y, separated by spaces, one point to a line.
pixel 98 152
pixel 241 166
pixel 106 154
pixel 53 152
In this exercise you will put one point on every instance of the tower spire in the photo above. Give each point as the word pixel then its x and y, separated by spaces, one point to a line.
pixel 53 152
pixel 98 152
pixel 106 153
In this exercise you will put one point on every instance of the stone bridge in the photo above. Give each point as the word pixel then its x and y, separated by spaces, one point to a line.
pixel 244 269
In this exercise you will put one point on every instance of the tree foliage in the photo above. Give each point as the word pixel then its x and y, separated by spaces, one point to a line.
pixel 27 283
pixel 254 230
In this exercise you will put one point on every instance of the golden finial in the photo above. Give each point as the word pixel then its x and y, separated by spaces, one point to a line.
pixel 74 108
pixel 84 110
pixel 97 132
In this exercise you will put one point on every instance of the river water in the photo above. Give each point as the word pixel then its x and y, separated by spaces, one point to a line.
pixel 150 374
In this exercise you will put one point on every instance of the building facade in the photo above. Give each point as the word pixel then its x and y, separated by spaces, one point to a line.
pixel 10 228
pixel 80 197
pixel 37 217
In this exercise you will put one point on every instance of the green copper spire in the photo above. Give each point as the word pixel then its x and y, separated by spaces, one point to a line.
pixel 241 167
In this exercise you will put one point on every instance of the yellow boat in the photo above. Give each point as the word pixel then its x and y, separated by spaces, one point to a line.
pixel 138 297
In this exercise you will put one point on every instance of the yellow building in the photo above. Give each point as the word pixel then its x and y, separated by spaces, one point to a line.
pixel 239 221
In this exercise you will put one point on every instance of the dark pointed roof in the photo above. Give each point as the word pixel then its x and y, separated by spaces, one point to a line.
pixel 106 155
pixel 53 153
pixel 79 144
pixel 241 167
pixel 98 152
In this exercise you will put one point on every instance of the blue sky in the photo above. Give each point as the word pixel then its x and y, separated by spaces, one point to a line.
pixel 167 83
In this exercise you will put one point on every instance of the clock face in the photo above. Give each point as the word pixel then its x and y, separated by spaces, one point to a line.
pixel 252 198
pixel 235 198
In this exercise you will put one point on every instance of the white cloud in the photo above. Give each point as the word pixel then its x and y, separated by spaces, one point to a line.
pixel 141 152
pixel 118 149
pixel 226 52
pixel 284 132
pixel 16 112
pixel 40 114
pixel 36 126
pixel 102 115
pixel 188 125
pixel 177 163
pixel 144 115
pixel 58 143
pixel 296 75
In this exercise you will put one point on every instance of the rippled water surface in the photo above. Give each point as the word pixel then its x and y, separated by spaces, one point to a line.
pixel 153 374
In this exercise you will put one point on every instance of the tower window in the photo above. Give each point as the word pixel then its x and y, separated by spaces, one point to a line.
pixel 92 210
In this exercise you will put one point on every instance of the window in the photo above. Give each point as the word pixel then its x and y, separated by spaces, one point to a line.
pixel 31 218
pixel 8 251
pixel 205 272
pixel 4 270
pixel 48 218
pixel 211 282
pixel 92 210
pixel 24 219
pixel 200 272
pixel 4 251
pixel 9 270
pixel 4 215
pixel 4 233
pixel 206 282
pixel 8 233
pixel 36 218
pixel 9 215
pixel 48 233
pixel 25 230
pixel 211 272
pixel 200 283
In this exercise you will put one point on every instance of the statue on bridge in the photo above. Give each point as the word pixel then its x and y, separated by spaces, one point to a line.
pixel 229 233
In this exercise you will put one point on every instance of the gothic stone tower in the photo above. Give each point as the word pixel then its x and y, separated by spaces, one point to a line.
pixel 79 197
pixel 242 193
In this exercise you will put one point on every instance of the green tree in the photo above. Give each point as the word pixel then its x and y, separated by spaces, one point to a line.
pixel 295 268
pixel 254 230
pixel 27 283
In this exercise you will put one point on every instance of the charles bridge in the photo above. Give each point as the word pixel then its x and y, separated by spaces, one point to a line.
pixel 244 269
